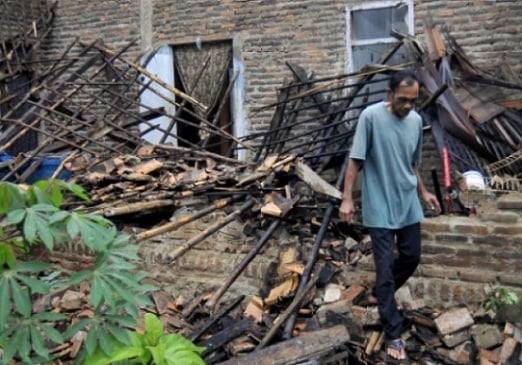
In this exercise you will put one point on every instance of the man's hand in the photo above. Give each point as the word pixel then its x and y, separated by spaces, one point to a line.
pixel 346 210
pixel 431 201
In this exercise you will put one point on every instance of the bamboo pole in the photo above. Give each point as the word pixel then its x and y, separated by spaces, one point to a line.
pixel 50 135
pixel 153 77
pixel 211 303
pixel 184 102
pixel 289 327
pixel 180 250
pixel 215 318
pixel 199 153
pixel 224 101
pixel 185 219
pixel 138 207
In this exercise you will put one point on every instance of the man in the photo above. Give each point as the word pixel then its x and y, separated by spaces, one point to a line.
pixel 387 146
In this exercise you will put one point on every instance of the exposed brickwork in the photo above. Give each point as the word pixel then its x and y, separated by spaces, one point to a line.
pixel 488 31
pixel 459 254
pixel 310 33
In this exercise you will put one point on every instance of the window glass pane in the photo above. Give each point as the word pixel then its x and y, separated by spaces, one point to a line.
pixel 363 55
pixel 370 54
pixel 377 23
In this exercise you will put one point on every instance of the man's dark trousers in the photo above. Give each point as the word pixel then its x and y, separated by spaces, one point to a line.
pixel 392 270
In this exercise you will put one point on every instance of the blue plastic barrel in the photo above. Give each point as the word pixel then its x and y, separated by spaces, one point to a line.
pixel 47 169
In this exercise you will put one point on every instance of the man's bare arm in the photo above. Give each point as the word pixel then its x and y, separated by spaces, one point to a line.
pixel 430 199
pixel 347 208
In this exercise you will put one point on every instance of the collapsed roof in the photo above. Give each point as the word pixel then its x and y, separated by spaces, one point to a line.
pixel 87 103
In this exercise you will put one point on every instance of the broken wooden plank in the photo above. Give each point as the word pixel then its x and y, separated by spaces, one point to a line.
pixel 212 302
pixel 185 219
pixel 278 206
pixel 214 318
pixel 290 310
pixel 308 345
pixel 284 290
pixel 372 341
pixel 180 250
pixel 317 183
pixel 255 309
pixel 138 207
pixel 436 48
pixel 226 335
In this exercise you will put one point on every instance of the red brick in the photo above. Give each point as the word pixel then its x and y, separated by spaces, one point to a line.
pixel 474 229
pixel 434 226
pixel 450 237
pixel 478 276
pixel 515 230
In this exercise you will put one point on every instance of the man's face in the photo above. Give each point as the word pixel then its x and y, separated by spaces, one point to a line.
pixel 403 99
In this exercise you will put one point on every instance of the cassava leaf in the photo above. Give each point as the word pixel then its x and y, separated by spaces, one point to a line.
pixel 38 195
pixel 7 256
pixel 31 267
pixel 153 329
pixel 15 216
pixel 73 228
pixel 58 216
pixel 96 292
pixel 12 197
pixel 75 328
pixel 49 316
pixel 38 342
pixel 90 341
pixel 5 298
pixel 106 343
pixel 21 298
pixel 36 286
pixel 119 334
pixel 75 189
pixel 79 276
pixel 13 346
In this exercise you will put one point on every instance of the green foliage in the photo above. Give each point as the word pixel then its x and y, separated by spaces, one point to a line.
pixel 151 347
pixel 31 219
pixel 499 296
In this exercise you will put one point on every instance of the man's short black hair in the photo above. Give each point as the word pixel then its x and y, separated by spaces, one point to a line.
pixel 402 75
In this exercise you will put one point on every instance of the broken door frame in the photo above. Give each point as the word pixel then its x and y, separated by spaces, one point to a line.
pixel 236 98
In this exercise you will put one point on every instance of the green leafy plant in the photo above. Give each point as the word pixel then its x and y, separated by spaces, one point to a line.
pixel 151 347
pixel 499 296
pixel 32 219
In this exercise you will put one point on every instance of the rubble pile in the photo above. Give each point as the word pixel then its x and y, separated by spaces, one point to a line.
pixel 85 109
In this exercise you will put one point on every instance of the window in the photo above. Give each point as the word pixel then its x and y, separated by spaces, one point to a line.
pixel 211 73
pixel 369 29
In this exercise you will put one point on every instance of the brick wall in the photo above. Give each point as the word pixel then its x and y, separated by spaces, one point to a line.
pixel 461 256
pixel 489 30
pixel 310 33
pixel 209 263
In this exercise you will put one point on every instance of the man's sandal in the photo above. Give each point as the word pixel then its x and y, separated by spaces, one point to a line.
pixel 399 346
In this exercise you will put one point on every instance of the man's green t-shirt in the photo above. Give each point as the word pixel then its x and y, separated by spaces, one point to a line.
pixel 389 147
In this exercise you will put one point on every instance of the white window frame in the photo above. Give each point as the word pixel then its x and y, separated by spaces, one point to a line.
pixel 237 96
pixel 410 21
